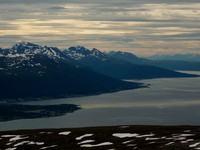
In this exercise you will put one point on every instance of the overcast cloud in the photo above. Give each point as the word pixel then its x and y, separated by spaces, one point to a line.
pixel 143 27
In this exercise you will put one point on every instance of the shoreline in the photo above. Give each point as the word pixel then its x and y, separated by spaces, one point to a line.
pixel 19 101
pixel 137 126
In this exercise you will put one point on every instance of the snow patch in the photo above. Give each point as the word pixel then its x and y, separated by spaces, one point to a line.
pixel 17 137
pixel 151 142
pixel 186 141
pixel 127 142
pixel 15 55
pixel 151 139
pixel 146 135
pixel 21 143
pixel 35 143
pixel 39 143
pixel 124 135
pixel 86 141
pixel 170 143
pixel 49 132
pixel 49 147
pixel 83 136
pixel 11 148
pixel 194 145
pixel 187 135
pixel 97 145
pixel 131 145
pixel 169 138
pixel 8 136
pixel 180 138
pixel 65 133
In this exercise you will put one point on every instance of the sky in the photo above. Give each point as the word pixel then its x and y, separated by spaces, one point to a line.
pixel 143 27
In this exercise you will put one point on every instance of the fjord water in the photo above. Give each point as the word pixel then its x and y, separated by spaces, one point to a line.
pixel 172 101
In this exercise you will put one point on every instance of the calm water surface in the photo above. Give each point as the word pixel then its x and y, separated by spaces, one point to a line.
pixel 174 101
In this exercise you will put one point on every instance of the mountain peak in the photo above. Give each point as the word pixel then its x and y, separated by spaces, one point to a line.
pixel 112 53
pixel 94 49
pixel 79 49
pixel 24 44
pixel 27 49
pixel 80 52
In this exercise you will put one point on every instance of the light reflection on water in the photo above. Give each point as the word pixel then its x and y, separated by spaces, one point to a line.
pixel 166 102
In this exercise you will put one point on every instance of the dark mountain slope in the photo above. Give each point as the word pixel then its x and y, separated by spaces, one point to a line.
pixel 28 75
pixel 167 64
pixel 118 68
pixel 177 64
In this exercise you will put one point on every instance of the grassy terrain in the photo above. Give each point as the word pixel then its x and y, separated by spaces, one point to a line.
pixel 104 138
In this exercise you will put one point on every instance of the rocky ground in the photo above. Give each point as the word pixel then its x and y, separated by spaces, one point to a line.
pixel 104 138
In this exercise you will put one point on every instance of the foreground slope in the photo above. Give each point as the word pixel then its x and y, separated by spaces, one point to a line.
pixel 104 138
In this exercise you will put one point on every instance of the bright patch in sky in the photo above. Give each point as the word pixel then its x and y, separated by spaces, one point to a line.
pixel 143 27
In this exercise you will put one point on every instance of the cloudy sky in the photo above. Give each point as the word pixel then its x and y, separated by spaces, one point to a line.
pixel 144 27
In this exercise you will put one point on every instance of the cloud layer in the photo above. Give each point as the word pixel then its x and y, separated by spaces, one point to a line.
pixel 146 27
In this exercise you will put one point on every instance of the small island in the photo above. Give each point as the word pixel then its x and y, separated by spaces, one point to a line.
pixel 17 111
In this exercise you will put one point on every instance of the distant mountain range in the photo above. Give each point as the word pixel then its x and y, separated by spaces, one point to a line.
pixel 174 64
pixel 178 57
pixel 30 71
pixel 118 68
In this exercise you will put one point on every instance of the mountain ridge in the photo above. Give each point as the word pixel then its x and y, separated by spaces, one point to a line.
pixel 184 65
pixel 31 71
pixel 120 68
pixel 37 74
pixel 178 57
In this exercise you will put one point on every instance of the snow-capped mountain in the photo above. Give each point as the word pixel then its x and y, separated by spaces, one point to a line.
pixel 25 54
pixel 31 71
pixel 24 49
pixel 37 58
pixel 79 53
